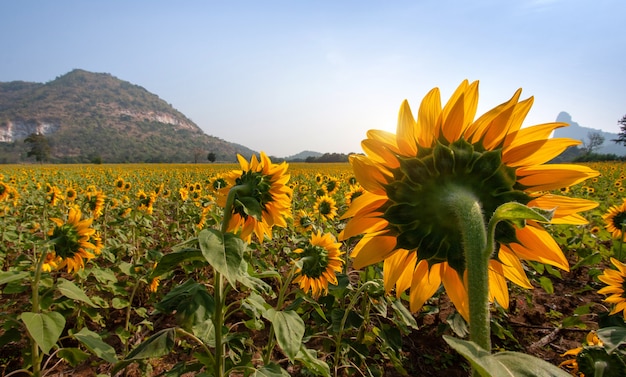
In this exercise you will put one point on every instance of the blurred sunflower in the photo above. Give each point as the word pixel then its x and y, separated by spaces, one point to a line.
pixel 263 197
pixel 71 242
pixel 616 281
pixel 304 220
pixel 320 261
pixel 70 194
pixel 53 195
pixel 325 207
pixel 95 202
pixel 119 183
pixel 408 176
pixel 4 191
pixel 615 219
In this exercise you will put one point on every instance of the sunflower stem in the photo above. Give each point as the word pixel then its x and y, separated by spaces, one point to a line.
pixel 470 219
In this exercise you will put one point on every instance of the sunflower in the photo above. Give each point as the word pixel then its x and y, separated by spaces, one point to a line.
pixel 262 199
pixel 304 220
pixel 320 261
pixel 591 340
pixel 615 220
pixel 70 194
pixel 355 191
pixel 616 282
pixel 119 184
pixel 95 202
pixel 4 191
pixel 71 242
pixel 407 177
pixel 325 207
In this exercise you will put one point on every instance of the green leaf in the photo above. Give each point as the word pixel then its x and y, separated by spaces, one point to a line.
pixel 9 276
pixel 546 284
pixel 159 344
pixel 312 363
pixel 94 343
pixel 173 259
pixel 191 302
pixel 224 252
pixel 289 330
pixel 516 211
pixel 403 313
pixel 271 370
pixel 73 356
pixel 612 337
pixel 503 364
pixel 70 290
pixel 44 328
pixel 589 260
pixel 251 207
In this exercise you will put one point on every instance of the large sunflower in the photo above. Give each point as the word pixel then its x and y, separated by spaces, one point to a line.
pixel 319 263
pixel 615 219
pixel 407 177
pixel 71 242
pixel 262 200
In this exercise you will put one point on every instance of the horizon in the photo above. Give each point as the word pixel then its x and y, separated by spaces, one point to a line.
pixel 283 77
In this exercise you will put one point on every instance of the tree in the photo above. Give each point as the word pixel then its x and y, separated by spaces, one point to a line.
pixel 211 157
pixel 621 136
pixel 594 141
pixel 39 147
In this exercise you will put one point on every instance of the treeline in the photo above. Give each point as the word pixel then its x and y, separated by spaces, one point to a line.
pixel 328 157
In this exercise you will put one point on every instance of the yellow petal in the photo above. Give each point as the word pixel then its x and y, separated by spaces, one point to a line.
pixel 538 245
pixel 370 175
pixel 424 285
pixel 498 290
pixel 428 119
pixel 371 250
pixel 553 176
pixel 378 152
pixel 364 224
pixel 406 130
pixel 536 152
pixel 395 266
pixel 528 134
pixel 455 288
pixel 513 269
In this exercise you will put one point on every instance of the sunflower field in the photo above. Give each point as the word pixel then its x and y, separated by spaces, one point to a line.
pixel 275 269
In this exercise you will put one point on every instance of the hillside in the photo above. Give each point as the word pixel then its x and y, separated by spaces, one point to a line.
pixel 578 132
pixel 89 116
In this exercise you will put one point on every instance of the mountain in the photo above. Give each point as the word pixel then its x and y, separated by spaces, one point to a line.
pixel 303 156
pixel 578 132
pixel 88 116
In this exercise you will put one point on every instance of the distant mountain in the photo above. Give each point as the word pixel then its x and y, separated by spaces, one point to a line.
pixel 575 131
pixel 303 156
pixel 89 116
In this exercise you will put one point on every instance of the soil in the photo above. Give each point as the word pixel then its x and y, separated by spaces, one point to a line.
pixel 533 325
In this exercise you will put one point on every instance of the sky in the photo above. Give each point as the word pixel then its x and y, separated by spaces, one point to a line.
pixel 287 76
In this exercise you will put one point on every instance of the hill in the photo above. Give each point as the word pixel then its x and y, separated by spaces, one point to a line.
pixel 578 132
pixel 89 116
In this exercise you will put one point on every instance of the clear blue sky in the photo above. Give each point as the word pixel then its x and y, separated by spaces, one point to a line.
pixel 287 76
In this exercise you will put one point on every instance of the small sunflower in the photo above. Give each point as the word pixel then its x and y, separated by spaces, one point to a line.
pixel 355 191
pixel 95 202
pixel 119 184
pixel 304 220
pixel 616 283
pixel 4 191
pixel 325 207
pixel 71 242
pixel 408 176
pixel 70 194
pixel 53 195
pixel 263 199
pixel 615 220
pixel 320 261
